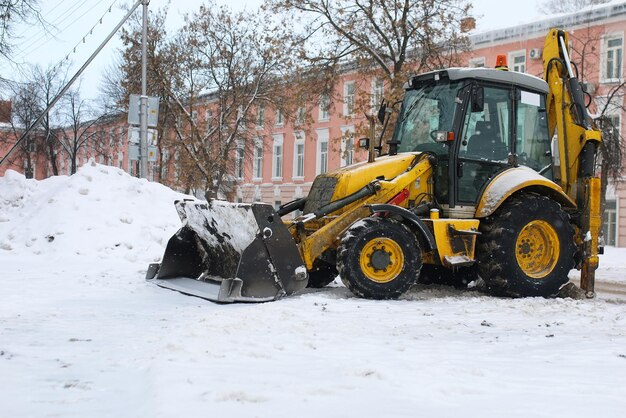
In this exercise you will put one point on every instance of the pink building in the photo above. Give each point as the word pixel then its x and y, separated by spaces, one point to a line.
pixel 286 157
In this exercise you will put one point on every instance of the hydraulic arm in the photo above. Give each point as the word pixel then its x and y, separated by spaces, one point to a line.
pixel 576 147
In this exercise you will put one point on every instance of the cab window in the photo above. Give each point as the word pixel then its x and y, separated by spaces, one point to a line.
pixel 532 139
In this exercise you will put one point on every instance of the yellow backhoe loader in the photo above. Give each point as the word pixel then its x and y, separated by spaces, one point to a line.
pixel 489 173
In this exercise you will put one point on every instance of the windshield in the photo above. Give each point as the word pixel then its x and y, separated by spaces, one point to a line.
pixel 425 110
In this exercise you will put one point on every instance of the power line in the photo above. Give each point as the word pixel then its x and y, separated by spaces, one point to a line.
pixel 43 33
pixel 90 32
pixel 21 69
pixel 36 44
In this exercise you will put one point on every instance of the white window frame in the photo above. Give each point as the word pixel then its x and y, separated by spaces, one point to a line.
pixel 122 133
pixel 279 118
pixel 614 108
pixel 278 152
pixel 112 137
pixel 299 140
pixel 257 161
pixel 208 119
pixel 347 140
pixel 324 108
pixel 516 54
pixel 349 98
pixel 477 62
pixel 260 116
pixel 239 160
pixel 300 115
pixel 321 160
pixel 377 93
pixel 604 57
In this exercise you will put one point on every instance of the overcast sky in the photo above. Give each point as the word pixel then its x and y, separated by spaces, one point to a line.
pixel 72 20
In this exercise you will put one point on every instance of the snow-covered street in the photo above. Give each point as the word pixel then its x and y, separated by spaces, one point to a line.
pixel 82 333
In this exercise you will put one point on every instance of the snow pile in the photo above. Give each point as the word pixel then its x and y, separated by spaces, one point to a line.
pixel 100 211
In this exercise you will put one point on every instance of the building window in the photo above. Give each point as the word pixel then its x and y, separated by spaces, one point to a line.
pixel 122 132
pixel 165 160
pixel 239 160
pixel 300 115
pixel 348 98
pixel 280 118
pixel 111 137
pixel 477 62
pixel 612 57
pixel 324 107
pixel 208 119
pixel 517 61
pixel 377 94
pixel 609 226
pixel 322 151
pixel 617 124
pixel 610 109
pixel 277 159
pixel 277 204
pixel 194 117
pixel 347 146
pixel 298 163
pixel 257 163
pixel 260 115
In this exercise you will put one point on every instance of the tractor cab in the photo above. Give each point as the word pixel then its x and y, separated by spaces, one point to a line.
pixel 477 122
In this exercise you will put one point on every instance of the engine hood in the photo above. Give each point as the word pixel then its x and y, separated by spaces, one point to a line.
pixel 344 181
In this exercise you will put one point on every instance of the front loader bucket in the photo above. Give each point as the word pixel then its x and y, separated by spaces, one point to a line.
pixel 228 252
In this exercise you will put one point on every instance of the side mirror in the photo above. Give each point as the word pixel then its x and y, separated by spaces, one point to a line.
pixel 478 99
pixel 364 143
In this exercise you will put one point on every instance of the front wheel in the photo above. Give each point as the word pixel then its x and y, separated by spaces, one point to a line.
pixel 321 275
pixel 379 258
pixel 526 247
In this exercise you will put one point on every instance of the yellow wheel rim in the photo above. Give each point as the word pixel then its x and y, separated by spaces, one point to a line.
pixel 537 249
pixel 382 260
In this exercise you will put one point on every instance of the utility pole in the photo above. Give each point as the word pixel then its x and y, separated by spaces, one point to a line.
pixel 143 104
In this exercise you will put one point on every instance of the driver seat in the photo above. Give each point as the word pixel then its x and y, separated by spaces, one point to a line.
pixel 483 142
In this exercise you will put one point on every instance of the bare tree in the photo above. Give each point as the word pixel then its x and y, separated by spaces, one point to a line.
pixel 604 100
pixel 565 6
pixel 238 65
pixel 387 40
pixel 612 150
pixel 49 82
pixel 26 109
pixel 393 37
pixel 12 12
pixel 80 133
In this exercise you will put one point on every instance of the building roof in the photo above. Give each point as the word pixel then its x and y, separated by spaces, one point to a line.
pixel 585 16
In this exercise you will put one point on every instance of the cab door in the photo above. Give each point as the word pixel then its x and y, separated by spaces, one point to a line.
pixel 485 143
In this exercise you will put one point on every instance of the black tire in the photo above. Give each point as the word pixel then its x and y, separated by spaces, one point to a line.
pixel 435 274
pixel 517 252
pixel 321 275
pixel 372 271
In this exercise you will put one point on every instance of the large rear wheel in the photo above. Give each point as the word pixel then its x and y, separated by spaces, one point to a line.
pixel 379 258
pixel 526 247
